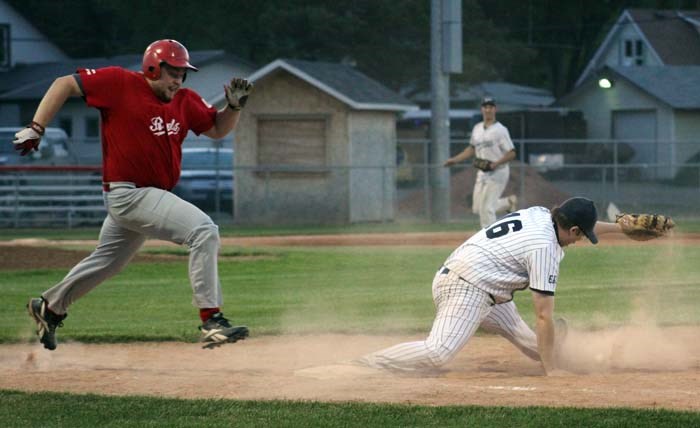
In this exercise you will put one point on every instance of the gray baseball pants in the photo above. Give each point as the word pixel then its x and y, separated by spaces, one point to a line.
pixel 135 214
pixel 461 310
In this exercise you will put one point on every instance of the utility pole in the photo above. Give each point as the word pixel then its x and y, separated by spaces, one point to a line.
pixel 445 58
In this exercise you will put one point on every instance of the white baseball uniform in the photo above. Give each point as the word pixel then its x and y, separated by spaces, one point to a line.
pixel 475 288
pixel 490 143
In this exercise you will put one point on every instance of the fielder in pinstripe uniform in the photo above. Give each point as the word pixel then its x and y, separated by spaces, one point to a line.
pixel 474 288
pixel 490 140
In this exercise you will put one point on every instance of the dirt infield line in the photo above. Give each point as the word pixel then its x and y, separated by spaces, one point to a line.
pixel 449 239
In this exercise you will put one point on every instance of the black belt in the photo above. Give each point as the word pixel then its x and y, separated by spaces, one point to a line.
pixel 118 185
pixel 445 270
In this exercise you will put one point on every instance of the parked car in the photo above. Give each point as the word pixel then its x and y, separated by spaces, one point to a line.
pixel 53 149
pixel 204 172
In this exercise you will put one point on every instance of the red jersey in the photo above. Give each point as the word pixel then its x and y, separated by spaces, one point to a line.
pixel 142 135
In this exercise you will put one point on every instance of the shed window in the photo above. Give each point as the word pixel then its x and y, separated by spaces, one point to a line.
pixel 292 142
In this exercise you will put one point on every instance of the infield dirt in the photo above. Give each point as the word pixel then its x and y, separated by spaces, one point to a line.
pixel 488 371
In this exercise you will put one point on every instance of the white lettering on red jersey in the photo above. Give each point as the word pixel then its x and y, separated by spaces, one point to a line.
pixel 142 135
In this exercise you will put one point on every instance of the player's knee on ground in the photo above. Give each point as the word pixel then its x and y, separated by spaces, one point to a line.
pixel 440 355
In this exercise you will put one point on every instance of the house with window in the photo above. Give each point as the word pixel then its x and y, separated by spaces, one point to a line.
pixel 316 144
pixel 21 43
pixel 642 88
pixel 22 46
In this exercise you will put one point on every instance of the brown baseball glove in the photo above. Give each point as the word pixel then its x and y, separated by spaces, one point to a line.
pixel 483 164
pixel 643 227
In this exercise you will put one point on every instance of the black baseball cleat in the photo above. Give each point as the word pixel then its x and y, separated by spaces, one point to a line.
pixel 46 322
pixel 217 330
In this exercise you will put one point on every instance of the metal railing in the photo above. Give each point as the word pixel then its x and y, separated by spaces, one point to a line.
pixel 547 171
pixel 47 196
pixel 633 175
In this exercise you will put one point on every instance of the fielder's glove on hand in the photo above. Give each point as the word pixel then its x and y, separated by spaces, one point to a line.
pixel 237 93
pixel 28 138
pixel 483 164
pixel 643 227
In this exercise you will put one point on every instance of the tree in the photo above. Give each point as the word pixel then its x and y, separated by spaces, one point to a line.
pixel 388 40
pixel 565 35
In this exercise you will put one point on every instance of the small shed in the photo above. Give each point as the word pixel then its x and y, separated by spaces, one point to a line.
pixel 316 143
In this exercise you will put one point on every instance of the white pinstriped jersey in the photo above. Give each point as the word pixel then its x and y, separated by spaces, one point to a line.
pixel 491 143
pixel 516 251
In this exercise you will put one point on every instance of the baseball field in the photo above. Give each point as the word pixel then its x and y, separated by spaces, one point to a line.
pixel 128 353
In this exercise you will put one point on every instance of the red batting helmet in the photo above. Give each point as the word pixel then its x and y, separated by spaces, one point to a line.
pixel 166 51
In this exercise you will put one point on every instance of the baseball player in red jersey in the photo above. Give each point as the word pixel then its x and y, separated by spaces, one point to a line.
pixel 145 117
pixel 474 288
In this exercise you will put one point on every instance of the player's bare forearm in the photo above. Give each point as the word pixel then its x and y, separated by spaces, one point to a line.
pixel 605 227
pixel 57 94
pixel 545 342
pixel 226 121
pixel 544 328
pixel 461 156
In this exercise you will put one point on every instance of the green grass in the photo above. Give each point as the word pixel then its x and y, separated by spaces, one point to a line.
pixel 19 409
pixel 366 289
pixel 689 225
pixel 226 230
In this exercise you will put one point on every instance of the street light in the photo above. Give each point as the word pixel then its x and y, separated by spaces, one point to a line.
pixel 605 83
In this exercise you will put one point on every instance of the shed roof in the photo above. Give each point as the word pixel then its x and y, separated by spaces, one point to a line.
pixel 342 82
pixel 503 92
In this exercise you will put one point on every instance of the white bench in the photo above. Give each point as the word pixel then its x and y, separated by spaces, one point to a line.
pixel 41 199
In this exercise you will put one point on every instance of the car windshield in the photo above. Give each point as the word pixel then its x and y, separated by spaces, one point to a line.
pixel 207 160
pixel 56 140
pixel 6 145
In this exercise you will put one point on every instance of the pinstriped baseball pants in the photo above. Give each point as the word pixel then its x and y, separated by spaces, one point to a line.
pixel 135 214
pixel 461 310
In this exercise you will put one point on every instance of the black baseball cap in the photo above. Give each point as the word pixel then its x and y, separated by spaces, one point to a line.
pixel 582 213
pixel 488 101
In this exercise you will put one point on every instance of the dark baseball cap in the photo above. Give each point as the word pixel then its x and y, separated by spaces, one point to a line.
pixel 582 213
pixel 488 101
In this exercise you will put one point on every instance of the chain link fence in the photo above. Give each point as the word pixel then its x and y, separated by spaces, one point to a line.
pixel 657 176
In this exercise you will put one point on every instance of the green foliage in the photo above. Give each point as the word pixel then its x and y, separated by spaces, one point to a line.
pixel 536 43
pixel 389 41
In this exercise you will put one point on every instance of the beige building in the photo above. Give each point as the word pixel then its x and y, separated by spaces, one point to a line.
pixel 316 144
